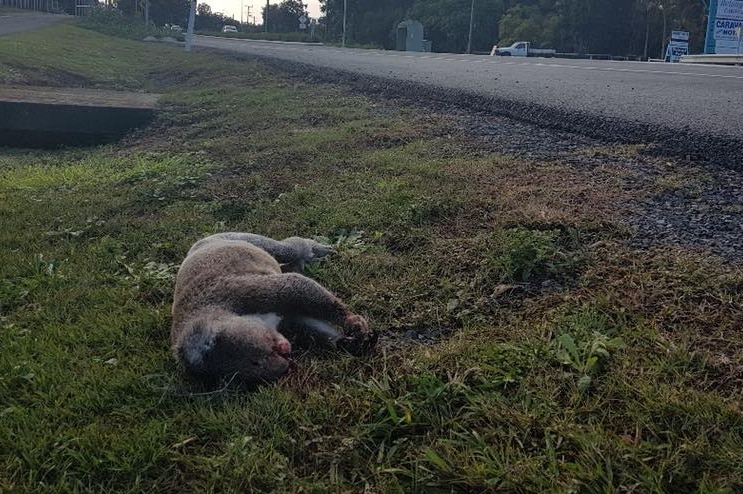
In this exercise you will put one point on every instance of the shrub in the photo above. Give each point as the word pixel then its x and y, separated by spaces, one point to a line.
pixel 115 23
pixel 296 37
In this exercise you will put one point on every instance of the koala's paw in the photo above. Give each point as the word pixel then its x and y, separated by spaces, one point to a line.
pixel 319 250
pixel 360 340
pixel 355 324
pixel 308 250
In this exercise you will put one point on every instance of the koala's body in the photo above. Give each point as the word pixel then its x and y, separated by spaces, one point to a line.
pixel 235 310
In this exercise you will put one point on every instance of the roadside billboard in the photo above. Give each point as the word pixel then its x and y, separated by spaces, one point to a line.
pixel 725 17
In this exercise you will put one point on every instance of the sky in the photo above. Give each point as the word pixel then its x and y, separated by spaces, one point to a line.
pixel 232 7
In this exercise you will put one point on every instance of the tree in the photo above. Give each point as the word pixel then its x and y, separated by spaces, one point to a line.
pixel 169 12
pixel 207 20
pixel 284 18
pixel 585 26
pixel 530 23
pixel 369 22
pixel 204 9
pixel 446 23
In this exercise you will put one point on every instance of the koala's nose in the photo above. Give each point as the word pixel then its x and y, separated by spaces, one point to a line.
pixel 282 347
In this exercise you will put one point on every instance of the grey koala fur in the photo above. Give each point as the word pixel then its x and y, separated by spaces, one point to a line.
pixel 237 300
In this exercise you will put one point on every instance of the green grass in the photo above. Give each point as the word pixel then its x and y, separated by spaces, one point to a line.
pixel 291 37
pixel 113 22
pixel 554 359
pixel 12 10
pixel 37 58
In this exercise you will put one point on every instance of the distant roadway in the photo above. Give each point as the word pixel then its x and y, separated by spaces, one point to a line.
pixel 27 21
pixel 702 99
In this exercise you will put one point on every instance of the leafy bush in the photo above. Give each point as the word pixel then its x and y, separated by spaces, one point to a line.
pixel 296 37
pixel 115 23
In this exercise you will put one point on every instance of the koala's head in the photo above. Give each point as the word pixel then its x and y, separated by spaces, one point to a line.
pixel 247 350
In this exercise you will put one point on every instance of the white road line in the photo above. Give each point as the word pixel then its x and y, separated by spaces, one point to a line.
pixel 498 61
pixel 636 71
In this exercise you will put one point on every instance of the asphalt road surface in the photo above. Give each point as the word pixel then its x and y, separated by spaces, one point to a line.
pixel 27 21
pixel 683 99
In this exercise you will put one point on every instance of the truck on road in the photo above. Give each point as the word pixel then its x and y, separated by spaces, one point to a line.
pixel 521 49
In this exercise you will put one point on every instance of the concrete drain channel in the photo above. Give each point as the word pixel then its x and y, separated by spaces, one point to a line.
pixel 46 117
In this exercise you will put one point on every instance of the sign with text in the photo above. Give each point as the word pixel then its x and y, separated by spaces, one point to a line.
pixel 678 47
pixel 730 9
pixel 676 50
pixel 725 18
pixel 726 30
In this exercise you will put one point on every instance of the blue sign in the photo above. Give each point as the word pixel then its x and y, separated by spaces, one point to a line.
pixel 725 17
pixel 678 47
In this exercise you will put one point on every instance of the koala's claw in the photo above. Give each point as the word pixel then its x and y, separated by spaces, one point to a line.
pixel 358 345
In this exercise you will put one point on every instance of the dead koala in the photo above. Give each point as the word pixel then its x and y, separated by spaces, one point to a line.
pixel 237 305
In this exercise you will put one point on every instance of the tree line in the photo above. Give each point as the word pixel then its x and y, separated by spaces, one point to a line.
pixel 282 17
pixel 617 27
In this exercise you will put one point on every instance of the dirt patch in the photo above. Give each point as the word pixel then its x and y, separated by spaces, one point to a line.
pixel 27 75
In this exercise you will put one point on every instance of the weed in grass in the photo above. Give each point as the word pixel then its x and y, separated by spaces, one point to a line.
pixel 583 357
pixel 521 255
pixel 587 338
pixel 433 210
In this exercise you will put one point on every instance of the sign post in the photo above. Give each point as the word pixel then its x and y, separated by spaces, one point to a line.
pixel 678 47
pixel 313 26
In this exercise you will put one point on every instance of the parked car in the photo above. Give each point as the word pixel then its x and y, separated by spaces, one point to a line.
pixel 229 29
pixel 521 49
pixel 176 27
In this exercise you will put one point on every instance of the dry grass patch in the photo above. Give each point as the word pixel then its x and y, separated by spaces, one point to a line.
pixel 549 193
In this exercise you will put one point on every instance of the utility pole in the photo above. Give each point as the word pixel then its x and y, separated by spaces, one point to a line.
pixel 472 21
pixel 265 18
pixel 345 8
pixel 189 31
pixel 663 38
pixel 242 9
pixel 647 30
pixel 147 13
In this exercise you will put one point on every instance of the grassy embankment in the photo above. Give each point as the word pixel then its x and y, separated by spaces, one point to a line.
pixel 560 359
pixel 12 10
pixel 291 37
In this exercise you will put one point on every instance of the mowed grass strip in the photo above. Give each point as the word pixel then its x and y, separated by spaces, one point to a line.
pixel 525 347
